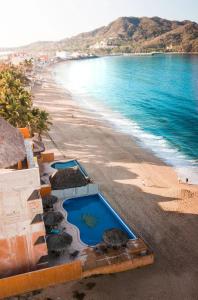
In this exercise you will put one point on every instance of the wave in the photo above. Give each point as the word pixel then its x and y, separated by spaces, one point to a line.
pixel 184 166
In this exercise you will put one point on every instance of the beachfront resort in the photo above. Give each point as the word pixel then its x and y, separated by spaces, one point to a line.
pixel 82 200
pixel 56 225
pixel 98 150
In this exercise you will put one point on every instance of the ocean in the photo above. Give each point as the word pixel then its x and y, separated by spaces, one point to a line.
pixel 152 98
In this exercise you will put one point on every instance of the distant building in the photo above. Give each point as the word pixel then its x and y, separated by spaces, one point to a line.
pixel 63 55
pixel 18 58
pixel 43 58
pixel 105 44
pixel 4 55
pixel 169 47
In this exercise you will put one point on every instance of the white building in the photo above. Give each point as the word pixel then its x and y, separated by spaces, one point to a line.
pixel 23 245
pixel 63 55
pixel 105 44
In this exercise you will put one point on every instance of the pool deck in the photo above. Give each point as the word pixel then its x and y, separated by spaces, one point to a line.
pixel 115 261
pixel 65 226
pixel 135 254
pixel 47 167
pixel 89 261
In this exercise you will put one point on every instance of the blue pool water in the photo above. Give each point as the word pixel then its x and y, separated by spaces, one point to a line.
pixel 93 215
pixel 69 164
pixel 153 98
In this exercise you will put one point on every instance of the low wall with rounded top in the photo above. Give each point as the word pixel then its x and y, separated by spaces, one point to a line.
pixel 35 280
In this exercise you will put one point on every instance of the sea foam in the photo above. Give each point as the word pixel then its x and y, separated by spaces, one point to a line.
pixel 184 166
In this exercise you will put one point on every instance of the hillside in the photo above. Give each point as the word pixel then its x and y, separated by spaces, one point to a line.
pixel 131 34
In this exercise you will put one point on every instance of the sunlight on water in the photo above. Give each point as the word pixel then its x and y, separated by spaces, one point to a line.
pixel 154 99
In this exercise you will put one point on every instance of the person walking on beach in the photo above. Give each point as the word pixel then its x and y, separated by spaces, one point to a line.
pixel 186 180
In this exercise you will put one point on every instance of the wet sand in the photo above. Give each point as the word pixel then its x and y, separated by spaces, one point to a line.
pixel 144 191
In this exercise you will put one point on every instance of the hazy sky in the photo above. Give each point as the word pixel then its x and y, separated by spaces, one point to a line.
pixel 25 21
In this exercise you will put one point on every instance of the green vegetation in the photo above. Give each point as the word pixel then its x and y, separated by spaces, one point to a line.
pixel 129 35
pixel 27 65
pixel 16 104
pixel 40 122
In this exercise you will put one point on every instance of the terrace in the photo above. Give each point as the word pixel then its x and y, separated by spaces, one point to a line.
pixel 67 255
pixel 96 257
pixel 21 205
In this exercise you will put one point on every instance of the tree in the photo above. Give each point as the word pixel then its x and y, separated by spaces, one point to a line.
pixel 16 103
pixel 40 121
pixel 27 65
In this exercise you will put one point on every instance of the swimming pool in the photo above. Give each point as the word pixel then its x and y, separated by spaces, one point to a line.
pixel 69 164
pixel 93 215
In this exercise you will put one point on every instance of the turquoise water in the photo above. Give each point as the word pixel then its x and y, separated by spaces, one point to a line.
pixel 88 212
pixel 69 164
pixel 153 98
pixel 64 165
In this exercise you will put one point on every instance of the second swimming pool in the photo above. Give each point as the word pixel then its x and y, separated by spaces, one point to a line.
pixel 69 164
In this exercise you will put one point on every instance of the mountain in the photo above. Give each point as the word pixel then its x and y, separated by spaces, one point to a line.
pixel 130 34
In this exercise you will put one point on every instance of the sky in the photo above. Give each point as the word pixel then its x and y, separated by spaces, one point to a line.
pixel 26 21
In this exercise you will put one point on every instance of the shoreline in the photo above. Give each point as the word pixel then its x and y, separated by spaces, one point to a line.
pixel 126 55
pixel 140 187
pixel 156 145
pixel 134 140
pixel 137 143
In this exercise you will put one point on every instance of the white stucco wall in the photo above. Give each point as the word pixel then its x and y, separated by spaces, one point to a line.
pixel 16 212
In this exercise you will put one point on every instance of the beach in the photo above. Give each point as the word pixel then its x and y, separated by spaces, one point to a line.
pixel 143 189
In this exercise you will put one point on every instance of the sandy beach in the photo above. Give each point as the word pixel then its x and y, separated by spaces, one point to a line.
pixel 144 191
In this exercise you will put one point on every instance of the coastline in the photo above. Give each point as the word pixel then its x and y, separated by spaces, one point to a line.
pixel 127 55
pixel 157 142
pixel 76 111
pixel 142 188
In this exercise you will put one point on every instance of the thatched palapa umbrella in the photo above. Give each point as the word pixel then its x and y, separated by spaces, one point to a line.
pixel 115 237
pixel 68 178
pixel 49 201
pixel 12 148
pixel 58 242
pixel 53 218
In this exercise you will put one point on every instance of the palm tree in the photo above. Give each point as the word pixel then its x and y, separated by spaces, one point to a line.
pixel 16 104
pixel 40 121
pixel 28 65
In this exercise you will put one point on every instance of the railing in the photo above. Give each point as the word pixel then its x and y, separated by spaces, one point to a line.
pixel 88 189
